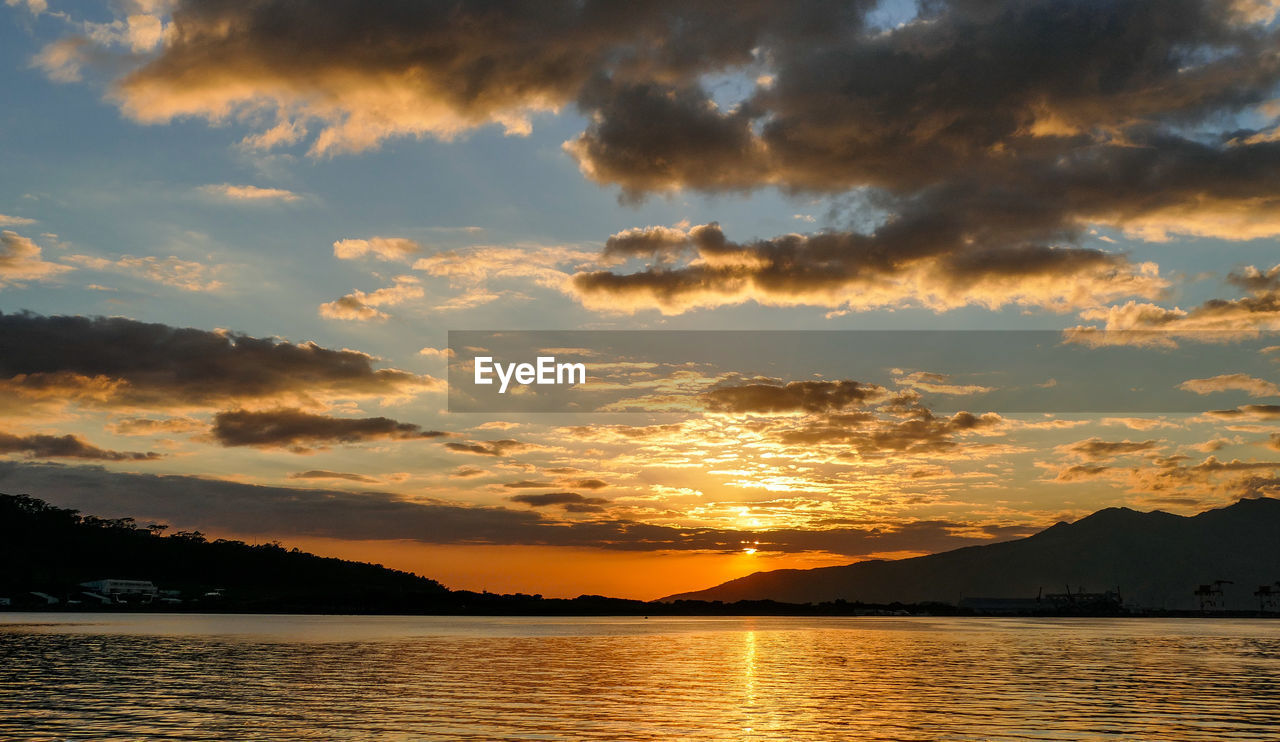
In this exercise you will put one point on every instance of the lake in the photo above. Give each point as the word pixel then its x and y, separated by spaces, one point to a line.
pixel 236 677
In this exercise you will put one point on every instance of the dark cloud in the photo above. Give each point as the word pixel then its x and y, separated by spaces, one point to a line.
pixel 524 484
pixel 989 134
pixel 975 89
pixel 1256 281
pixel 941 255
pixel 1249 412
pixel 244 509
pixel 149 426
pixel 40 446
pixel 325 474
pixel 1097 449
pixel 794 396
pixel 404 68
pixel 296 429
pixel 551 499
pixel 1081 471
pixel 915 431
pixel 488 448
pixel 120 362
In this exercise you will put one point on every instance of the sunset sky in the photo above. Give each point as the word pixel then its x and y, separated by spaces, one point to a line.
pixel 235 236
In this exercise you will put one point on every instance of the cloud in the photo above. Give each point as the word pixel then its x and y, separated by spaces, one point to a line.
pixel 15 221
pixel 939 261
pixel 35 7
pixel 1256 281
pixel 300 431
pixel 187 275
pixel 361 307
pixel 246 509
pixel 413 70
pixel 1095 449
pixel 20 261
pixel 562 499
pixel 1135 323
pixel 40 446
pixel 118 362
pixel 1248 412
pixel 393 249
pixel 938 383
pixel 792 397
pixel 325 474
pixel 473 267
pixel 913 431
pixel 148 426
pixel 250 193
pixel 1253 386
pixel 990 135
pixel 488 448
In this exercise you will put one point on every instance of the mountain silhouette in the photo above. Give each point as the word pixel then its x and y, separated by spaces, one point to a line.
pixel 1156 560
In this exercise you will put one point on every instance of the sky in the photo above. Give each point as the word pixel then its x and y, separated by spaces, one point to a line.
pixel 234 237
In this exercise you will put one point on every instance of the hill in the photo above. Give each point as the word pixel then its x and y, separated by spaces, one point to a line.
pixel 1156 560
pixel 52 550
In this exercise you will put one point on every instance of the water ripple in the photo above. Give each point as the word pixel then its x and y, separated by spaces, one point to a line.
pixel 425 678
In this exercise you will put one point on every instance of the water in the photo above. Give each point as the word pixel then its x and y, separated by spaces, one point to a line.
pixel 177 677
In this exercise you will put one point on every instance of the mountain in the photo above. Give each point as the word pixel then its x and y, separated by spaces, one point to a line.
pixel 1156 560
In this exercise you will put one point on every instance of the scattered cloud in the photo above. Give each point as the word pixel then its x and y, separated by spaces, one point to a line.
pixel 932 383
pixel 1135 323
pixel 187 275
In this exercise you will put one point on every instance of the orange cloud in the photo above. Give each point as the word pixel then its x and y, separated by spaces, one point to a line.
pixel 362 307
pixel 383 248
pixel 250 193
pixel 20 261
pixel 187 275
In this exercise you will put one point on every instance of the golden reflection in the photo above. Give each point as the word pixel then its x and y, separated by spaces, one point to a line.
pixel 749 672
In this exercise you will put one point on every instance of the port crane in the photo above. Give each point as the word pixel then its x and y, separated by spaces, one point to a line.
pixel 1266 597
pixel 1211 596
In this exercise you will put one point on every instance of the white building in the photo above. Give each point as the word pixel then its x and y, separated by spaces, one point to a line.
pixel 121 588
